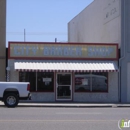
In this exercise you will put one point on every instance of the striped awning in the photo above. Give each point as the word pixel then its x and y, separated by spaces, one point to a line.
pixel 66 66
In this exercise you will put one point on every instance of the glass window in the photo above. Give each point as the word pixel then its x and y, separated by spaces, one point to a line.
pixel 28 77
pixel 64 79
pixel 93 82
pixel 99 82
pixel 45 80
pixel 82 82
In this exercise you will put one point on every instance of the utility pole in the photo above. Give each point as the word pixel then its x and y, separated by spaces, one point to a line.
pixel 55 39
pixel 24 35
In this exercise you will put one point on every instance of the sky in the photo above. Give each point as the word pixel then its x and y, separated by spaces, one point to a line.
pixel 41 20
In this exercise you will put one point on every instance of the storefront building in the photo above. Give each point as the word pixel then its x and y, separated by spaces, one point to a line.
pixel 75 72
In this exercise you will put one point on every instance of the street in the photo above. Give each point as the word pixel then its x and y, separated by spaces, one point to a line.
pixel 63 118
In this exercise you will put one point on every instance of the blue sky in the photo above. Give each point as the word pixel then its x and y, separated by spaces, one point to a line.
pixel 43 20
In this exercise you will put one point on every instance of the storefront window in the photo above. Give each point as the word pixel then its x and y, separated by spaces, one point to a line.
pixel 99 82
pixel 91 82
pixel 82 82
pixel 45 81
pixel 40 81
pixel 28 77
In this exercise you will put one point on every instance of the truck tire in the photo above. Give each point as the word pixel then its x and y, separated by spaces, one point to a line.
pixel 11 100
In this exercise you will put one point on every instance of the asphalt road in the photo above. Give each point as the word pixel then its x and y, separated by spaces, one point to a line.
pixel 45 118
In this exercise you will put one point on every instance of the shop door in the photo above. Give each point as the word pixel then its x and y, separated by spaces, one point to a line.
pixel 64 86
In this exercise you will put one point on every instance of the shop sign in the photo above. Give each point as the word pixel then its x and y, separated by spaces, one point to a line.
pixel 64 51
pixel 46 79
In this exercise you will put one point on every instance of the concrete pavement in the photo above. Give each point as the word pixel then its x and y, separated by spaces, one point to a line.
pixel 42 104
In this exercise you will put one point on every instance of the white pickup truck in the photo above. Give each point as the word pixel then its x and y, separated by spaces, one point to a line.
pixel 12 92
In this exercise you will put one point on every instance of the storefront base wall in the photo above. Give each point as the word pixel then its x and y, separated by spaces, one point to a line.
pixel 44 97
pixel 111 96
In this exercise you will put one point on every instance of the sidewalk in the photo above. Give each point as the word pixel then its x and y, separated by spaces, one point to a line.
pixel 40 104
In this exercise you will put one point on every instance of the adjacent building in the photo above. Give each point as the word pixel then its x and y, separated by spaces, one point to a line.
pixel 2 40
pixel 124 61
pixel 99 22
pixel 106 21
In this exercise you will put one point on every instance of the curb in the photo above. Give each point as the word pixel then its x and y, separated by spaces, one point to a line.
pixel 76 105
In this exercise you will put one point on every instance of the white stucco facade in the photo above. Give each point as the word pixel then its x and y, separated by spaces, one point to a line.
pixel 111 96
pixel 106 21
pixel 99 22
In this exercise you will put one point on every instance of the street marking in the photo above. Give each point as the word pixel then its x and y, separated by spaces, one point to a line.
pixel 58 120
pixel 75 113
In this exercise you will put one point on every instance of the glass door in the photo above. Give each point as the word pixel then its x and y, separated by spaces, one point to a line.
pixel 64 86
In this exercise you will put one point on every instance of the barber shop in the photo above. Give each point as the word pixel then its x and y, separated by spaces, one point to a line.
pixel 66 72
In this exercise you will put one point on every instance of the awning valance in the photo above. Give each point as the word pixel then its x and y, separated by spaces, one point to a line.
pixel 66 66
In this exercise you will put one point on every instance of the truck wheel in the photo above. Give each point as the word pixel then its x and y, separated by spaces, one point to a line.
pixel 11 100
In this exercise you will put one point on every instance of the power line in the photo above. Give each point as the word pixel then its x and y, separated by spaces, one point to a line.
pixel 36 33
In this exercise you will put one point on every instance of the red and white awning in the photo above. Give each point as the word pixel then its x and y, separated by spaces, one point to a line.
pixel 66 66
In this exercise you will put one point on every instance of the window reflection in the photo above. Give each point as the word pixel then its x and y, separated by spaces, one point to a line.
pixel 94 82
pixel 82 82
pixel 45 80
pixel 99 82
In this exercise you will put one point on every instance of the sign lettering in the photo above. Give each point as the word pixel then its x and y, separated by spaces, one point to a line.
pixel 63 51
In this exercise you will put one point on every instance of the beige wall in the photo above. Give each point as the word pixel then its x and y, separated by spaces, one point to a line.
pixel 14 75
pixel 2 39
pixel 99 23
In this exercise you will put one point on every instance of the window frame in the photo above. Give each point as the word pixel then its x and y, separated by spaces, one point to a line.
pixel 36 88
pixel 91 89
